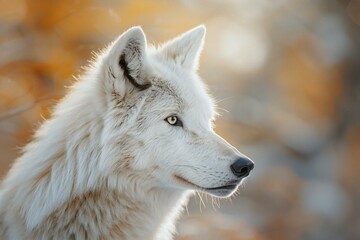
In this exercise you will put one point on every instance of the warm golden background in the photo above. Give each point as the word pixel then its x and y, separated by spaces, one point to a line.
pixel 286 76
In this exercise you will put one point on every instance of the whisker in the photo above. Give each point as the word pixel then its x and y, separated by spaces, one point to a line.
pixel 201 200
pixel 187 209
pixel 223 99
pixel 217 202
pixel 197 193
pixel 222 109
pixel 212 203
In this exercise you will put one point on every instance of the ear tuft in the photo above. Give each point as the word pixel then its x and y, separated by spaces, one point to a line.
pixel 185 49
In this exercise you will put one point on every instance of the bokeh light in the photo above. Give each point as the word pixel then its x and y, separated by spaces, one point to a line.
pixel 285 76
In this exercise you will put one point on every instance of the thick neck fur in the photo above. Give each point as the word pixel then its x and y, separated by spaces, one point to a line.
pixel 57 177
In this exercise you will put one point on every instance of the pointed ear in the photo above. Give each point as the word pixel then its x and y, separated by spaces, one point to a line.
pixel 125 61
pixel 185 49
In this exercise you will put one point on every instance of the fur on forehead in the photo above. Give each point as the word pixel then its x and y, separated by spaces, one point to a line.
pixel 186 84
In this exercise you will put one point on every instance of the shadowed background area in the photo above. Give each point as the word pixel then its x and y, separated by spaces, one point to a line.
pixel 285 76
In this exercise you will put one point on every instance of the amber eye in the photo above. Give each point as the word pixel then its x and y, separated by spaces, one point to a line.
pixel 174 120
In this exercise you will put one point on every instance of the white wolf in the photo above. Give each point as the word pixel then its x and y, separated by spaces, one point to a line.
pixel 123 149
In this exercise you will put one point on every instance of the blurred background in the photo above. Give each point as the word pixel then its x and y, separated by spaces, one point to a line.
pixel 286 78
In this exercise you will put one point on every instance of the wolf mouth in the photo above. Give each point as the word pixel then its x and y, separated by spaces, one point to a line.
pixel 187 182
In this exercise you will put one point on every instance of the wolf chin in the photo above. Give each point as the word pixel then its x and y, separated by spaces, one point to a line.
pixel 123 150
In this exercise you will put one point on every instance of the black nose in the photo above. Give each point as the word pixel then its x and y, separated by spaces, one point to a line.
pixel 242 167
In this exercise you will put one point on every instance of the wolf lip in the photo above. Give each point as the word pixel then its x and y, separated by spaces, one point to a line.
pixel 225 187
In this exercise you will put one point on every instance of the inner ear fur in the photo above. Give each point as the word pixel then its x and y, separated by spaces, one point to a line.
pixel 126 59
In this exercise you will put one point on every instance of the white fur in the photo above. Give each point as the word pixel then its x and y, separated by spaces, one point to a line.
pixel 107 164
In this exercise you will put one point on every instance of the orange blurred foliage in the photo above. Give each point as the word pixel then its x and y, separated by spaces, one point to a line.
pixel 286 71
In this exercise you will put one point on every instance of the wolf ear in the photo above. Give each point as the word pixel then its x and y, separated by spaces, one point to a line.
pixel 125 61
pixel 185 49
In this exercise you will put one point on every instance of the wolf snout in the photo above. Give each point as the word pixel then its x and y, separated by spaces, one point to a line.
pixel 242 167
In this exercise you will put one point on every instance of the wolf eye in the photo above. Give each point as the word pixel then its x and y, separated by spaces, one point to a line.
pixel 174 121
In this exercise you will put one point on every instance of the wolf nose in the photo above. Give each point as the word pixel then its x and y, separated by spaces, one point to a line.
pixel 242 167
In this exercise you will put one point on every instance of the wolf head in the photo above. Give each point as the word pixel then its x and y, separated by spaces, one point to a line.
pixel 158 120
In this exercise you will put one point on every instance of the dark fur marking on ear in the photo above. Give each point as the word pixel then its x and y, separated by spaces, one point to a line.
pixel 110 71
pixel 124 65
